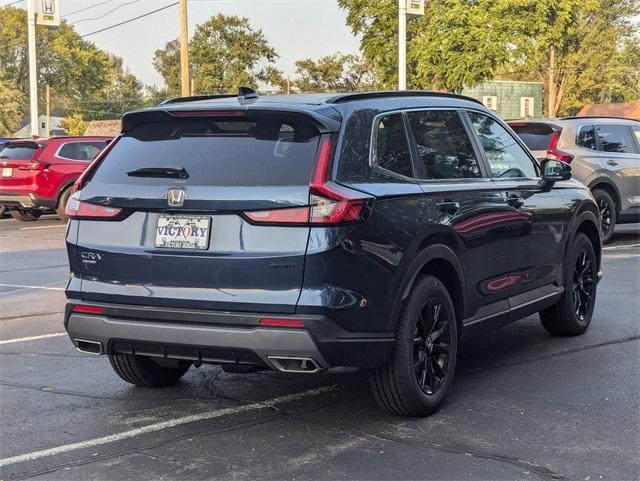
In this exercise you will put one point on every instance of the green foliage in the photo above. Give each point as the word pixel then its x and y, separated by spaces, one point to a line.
pixel 12 103
pixel 75 124
pixel 224 53
pixel 334 73
pixel 460 43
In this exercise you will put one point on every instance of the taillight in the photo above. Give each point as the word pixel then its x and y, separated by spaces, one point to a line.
pixel 329 203
pixel 35 165
pixel 87 309
pixel 554 153
pixel 76 209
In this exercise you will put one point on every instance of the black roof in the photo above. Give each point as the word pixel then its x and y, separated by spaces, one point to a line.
pixel 327 109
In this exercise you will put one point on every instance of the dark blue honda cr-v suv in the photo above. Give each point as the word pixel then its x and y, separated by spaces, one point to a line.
pixel 302 233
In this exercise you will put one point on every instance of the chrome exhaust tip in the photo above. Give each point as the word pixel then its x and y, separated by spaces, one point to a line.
pixel 88 347
pixel 304 365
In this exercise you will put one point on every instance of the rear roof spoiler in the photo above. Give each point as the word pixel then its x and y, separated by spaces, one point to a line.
pixel 26 143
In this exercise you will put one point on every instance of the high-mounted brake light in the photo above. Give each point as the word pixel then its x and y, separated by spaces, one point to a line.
pixel 553 151
pixel 281 322
pixel 329 203
pixel 207 113
pixel 87 309
pixel 76 208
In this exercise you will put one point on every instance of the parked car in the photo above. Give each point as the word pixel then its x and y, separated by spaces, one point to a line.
pixel 37 175
pixel 604 154
pixel 303 233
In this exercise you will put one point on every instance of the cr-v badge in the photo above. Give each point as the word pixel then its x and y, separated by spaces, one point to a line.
pixel 175 197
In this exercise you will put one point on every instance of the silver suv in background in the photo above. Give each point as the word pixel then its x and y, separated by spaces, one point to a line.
pixel 604 153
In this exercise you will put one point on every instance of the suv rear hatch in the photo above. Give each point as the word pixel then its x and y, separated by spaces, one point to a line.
pixel 20 165
pixel 199 210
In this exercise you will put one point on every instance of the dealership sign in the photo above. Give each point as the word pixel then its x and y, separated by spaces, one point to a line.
pixel 415 7
pixel 48 12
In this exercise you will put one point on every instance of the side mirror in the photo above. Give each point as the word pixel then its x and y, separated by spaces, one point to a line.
pixel 553 171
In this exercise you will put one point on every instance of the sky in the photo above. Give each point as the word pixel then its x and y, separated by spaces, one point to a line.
pixel 295 28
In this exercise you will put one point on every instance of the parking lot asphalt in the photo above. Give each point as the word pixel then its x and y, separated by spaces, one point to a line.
pixel 524 405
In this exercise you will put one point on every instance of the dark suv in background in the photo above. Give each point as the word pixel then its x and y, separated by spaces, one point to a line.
pixel 303 233
pixel 604 153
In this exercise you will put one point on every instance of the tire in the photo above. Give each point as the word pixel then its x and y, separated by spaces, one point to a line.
pixel 25 215
pixel 145 372
pixel 62 203
pixel 572 315
pixel 401 386
pixel 608 214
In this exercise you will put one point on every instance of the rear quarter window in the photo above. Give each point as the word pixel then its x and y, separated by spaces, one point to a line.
pixel 216 151
pixel 536 136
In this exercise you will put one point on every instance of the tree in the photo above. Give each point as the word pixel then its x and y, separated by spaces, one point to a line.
pixel 74 124
pixel 225 53
pixel 12 103
pixel 334 73
pixel 583 51
pixel 456 43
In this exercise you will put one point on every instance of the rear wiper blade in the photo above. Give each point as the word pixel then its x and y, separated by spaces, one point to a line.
pixel 160 172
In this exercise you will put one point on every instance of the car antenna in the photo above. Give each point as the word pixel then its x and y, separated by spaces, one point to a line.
pixel 246 94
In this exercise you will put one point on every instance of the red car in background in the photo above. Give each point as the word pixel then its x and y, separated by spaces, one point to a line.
pixel 37 175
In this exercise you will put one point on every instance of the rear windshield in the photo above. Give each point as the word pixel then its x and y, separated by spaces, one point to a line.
pixel 17 152
pixel 228 151
pixel 536 136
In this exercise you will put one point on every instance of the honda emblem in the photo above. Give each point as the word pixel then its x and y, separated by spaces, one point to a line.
pixel 175 197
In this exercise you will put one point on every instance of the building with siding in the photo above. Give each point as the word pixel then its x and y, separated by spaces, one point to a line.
pixel 510 99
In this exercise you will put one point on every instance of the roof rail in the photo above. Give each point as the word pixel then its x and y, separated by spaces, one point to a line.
pixel 348 97
pixel 577 117
pixel 195 98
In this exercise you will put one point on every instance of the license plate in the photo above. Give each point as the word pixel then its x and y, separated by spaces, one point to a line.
pixel 7 172
pixel 183 232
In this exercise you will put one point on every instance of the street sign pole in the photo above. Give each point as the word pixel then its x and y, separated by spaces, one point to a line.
pixel 33 72
pixel 402 44
pixel 184 49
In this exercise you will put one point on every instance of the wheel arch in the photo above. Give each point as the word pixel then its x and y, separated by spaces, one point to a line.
pixel 586 222
pixel 607 185
pixel 441 262
pixel 65 186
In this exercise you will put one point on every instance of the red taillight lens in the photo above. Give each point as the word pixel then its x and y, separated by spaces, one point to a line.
pixel 76 208
pixel 554 153
pixel 87 309
pixel 281 322
pixel 35 165
pixel 329 203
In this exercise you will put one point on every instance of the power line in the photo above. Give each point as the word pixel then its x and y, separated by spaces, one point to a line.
pixel 131 19
pixel 86 8
pixel 106 13
pixel 11 3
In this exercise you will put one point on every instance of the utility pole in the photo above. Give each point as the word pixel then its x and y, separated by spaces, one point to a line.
pixel 551 81
pixel 33 72
pixel 47 126
pixel 402 44
pixel 184 49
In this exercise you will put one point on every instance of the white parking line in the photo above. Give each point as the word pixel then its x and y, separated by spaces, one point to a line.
pixel 624 246
pixel 20 286
pixel 33 338
pixel 43 227
pixel 151 428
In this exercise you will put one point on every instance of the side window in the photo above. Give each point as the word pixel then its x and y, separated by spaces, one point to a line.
pixel 391 150
pixel 636 132
pixel 586 137
pixel 443 145
pixel 81 150
pixel 614 138
pixel 506 157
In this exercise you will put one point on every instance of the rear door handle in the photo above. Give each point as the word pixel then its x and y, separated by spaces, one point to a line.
pixel 515 201
pixel 449 207
pixel 612 162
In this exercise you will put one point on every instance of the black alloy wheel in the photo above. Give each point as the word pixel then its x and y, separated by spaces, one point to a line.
pixel 583 284
pixel 431 347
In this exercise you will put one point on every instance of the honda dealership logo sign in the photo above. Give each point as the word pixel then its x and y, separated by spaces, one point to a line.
pixel 48 12
pixel 175 197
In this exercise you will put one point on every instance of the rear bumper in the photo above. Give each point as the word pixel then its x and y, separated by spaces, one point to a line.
pixel 224 338
pixel 26 201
